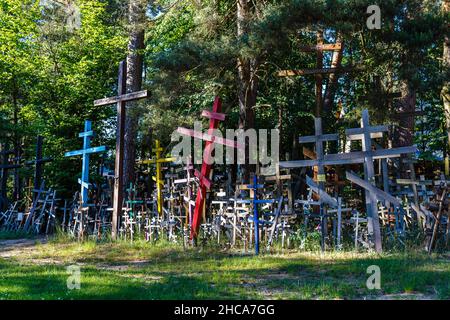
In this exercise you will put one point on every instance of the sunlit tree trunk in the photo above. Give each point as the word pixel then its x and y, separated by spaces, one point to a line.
pixel 136 18
pixel 445 93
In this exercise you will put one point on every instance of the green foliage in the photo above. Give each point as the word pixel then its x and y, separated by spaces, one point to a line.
pixel 50 74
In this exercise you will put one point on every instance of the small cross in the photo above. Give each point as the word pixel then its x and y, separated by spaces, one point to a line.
pixel 158 160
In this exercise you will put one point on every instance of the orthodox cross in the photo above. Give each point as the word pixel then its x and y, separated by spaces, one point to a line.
pixel 204 175
pixel 121 99
pixel 365 133
pixel 39 163
pixel 85 153
pixel 158 160
pixel 319 71
pixel 255 186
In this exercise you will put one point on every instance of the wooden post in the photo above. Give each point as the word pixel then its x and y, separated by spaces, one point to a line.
pixel 121 100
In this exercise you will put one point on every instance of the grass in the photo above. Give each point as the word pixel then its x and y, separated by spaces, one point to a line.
pixel 140 270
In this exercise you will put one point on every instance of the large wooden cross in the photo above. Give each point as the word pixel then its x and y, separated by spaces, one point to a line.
pixel 366 133
pixel 121 99
pixel 204 175
pixel 318 139
pixel 158 161
pixel 85 152
pixel 319 71
pixel 38 162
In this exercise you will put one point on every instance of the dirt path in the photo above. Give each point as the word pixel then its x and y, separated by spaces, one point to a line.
pixel 16 247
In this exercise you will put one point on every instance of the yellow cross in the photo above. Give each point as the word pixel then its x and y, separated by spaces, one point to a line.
pixel 158 178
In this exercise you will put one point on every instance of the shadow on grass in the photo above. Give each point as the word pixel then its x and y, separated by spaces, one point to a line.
pixel 178 274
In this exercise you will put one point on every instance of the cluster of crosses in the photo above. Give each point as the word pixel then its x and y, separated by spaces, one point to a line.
pixel 366 157
pixel 8 163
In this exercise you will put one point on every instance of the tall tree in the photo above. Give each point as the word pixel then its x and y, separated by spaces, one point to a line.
pixel 136 20
pixel 445 93
pixel 247 74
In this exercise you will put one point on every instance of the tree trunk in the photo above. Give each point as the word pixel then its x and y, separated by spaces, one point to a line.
pixel 136 18
pixel 247 79
pixel 330 90
pixel 445 93
pixel 17 147
pixel 405 110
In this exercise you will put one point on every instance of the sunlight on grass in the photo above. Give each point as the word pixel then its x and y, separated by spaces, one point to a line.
pixel 140 270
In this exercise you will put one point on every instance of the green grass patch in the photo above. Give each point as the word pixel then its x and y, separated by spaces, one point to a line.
pixel 139 270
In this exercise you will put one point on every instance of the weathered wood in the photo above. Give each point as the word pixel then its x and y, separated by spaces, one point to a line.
pixel 371 204
pixel 122 97
pixel 303 72
pixel 38 162
pixel 323 195
pixel 322 47
pixel 380 194
pixel 354 157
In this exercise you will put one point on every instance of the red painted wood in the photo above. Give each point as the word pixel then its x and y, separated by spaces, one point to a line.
pixel 205 172
pixel 213 115
pixel 204 180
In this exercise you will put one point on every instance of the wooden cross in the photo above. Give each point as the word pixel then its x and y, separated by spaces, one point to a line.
pixel 318 139
pixel 255 186
pixel 85 153
pixel 204 175
pixel 366 157
pixel 39 163
pixel 188 199
pixel 121 99
pixel 158 160
pixel 319 71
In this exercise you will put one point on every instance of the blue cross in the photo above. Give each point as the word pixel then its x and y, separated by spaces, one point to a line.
pixel 85 152
pixel 255 186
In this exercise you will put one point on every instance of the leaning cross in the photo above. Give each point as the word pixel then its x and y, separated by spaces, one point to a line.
pixel 204 183
pixel 85 152
pixel 121 99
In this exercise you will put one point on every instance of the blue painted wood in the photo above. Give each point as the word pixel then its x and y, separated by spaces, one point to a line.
pixel 255 186
pixel 85 152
